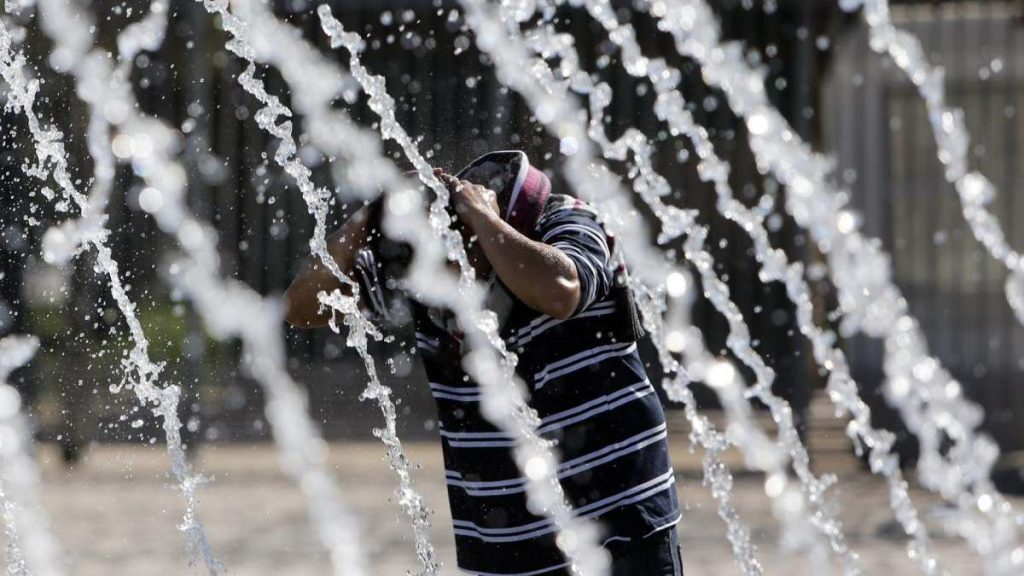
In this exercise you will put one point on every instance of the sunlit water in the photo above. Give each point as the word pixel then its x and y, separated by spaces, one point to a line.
pixel 774 265
pixel 929 399
pixel 60 244
pixel 31 548
pixel 543 92
pixel 230 309
pixel 931 402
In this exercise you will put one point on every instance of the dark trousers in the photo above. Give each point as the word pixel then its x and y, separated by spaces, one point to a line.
pixel 656 555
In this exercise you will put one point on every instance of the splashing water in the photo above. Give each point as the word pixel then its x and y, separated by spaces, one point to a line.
pixel 576 538
pixel 31 549
pixel 930 401
pixel 317 201
pixel 281 45
pixel 366 167
pixel 717 476
pixel 651 186
pixel 141 373
pixel 975 190
pixel 430 281
pixel 229 308
pixel 774 265
pixel 759 452
pixel 541 92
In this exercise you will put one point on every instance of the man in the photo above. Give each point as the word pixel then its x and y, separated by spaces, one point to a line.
pixel 559 292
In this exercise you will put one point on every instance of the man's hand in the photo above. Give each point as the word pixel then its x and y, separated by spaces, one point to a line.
pixel 471 201
pixel 302 307
pixel 542 276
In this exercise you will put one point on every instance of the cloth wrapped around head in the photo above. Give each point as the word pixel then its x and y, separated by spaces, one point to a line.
pixel 522 193
pixel 522 189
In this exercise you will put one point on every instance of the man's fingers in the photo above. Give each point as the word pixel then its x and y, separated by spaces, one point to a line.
pixel 440 174
pixel 484 191
pixel 467 183
pixel 450 182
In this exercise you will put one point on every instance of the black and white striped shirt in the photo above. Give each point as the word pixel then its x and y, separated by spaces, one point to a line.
pixel 589 387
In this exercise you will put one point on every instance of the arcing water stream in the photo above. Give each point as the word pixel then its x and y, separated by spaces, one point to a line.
pixel 141 373
pixel 930 401
pixel 317 202
pixel 542 93
pixel 584 553
pixel 651 186
pixel 974 190
pixel 31 548
pixel 502 401
pixel 775 266
pixel 229 307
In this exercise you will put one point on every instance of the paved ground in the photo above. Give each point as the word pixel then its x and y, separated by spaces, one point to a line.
pixel 116 513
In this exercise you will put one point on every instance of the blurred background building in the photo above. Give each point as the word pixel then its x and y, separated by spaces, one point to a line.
pixel 821 74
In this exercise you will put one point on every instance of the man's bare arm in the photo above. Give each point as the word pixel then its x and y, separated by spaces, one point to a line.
pixel 302 309
pixel 542 276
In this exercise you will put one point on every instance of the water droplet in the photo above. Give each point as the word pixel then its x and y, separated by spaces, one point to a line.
pixel 676 285
pixel 151 200
pixel 569 146
pixel 536 468
pixel 721 374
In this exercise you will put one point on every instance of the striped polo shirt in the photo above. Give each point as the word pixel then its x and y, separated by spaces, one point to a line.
pixel 587 384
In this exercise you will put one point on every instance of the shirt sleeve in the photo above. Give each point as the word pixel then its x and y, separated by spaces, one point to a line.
pixel 574 229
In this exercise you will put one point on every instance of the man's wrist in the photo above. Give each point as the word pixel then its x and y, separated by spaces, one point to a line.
pixel 481 220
